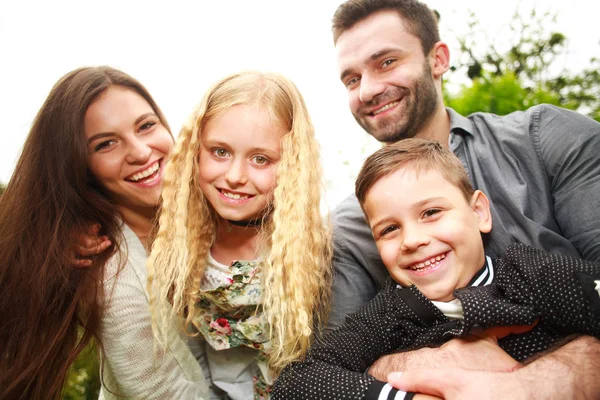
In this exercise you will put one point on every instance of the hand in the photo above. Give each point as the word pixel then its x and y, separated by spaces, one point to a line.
pixel 480 353
pixel 87 246
pixel 569 372
pixel 458 383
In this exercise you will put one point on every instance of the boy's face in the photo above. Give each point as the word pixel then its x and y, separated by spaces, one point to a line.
pixel 427 233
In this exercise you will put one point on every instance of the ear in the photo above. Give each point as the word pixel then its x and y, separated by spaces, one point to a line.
pixel 439 57
pixel 480 204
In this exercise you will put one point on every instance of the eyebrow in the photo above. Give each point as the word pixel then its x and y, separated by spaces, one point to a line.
pixel 212 143
pixel 102 135
pixel 373 57
pixel 417 205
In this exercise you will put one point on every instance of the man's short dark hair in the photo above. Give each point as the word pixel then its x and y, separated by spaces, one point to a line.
pixel 420 20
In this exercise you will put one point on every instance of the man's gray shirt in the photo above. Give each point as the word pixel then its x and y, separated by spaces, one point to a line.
pixel 541 170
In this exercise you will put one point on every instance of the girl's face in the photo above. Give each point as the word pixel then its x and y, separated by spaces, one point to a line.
pixel 239 153
pixel 128 146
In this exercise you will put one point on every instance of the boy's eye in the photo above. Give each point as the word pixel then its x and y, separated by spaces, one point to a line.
pixel 389 229
pixel 104 145
pixel 221 153
pixel 431 212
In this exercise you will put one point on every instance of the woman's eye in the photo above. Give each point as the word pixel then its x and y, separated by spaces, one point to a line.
pixel 260 160
pixel 147 125
pixel 221 153
pixel 389 230
pixel 104 145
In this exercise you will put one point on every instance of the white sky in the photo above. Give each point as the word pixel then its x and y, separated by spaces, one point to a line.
pixel 178 48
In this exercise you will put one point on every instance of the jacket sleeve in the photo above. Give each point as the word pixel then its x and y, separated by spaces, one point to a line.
pixel 568 144
pixel 133 366
pixel 336 364
pixel 531 284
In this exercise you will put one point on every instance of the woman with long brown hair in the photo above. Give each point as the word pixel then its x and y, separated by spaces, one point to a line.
pixel 95 155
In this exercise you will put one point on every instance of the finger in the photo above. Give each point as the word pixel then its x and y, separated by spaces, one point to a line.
pixel 94 229
pixel 81 263
pixel 435 382
pixel 94 248
pixel 502 331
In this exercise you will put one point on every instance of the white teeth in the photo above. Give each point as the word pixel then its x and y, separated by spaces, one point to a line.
pixel 429 264
pixel 386 107
pixel 146 173
pixel 235 196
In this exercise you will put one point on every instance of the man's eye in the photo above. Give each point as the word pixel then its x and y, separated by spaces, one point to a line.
pixel 351 82
pixel 387 62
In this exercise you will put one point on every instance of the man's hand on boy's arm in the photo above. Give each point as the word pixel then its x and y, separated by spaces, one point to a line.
pixel 472 352
pixel 572 371
pixel 88 245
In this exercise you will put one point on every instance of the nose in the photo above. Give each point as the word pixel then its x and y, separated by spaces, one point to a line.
pixel 414 236
pixel 370 88
pixel 236 173
pixel 138 152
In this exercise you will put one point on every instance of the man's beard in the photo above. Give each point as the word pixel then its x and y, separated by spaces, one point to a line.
pixel 419 108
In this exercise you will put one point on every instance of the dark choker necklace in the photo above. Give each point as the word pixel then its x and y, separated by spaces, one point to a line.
pixel 248 223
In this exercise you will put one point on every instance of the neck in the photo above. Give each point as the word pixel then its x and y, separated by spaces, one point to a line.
pixel 235 242
pixel 139 221
pixel 438 126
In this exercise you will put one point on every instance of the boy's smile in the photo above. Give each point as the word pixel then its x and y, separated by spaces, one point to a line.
pixel 427 232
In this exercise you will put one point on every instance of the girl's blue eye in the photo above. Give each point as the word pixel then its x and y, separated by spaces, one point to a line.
pixel 220 152
pixel 260 160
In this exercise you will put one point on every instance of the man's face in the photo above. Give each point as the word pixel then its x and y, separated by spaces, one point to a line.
pixel 391 91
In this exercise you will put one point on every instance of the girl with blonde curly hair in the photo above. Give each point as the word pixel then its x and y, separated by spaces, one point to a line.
pixel 242 252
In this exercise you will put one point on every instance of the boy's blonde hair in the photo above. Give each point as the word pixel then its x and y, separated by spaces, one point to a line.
pixel 413 154
pixel 294 248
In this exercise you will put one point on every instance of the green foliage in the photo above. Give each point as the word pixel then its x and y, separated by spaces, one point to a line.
pixel 524 73
pixel 83 379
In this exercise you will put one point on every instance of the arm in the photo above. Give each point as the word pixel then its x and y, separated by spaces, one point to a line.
pixel 358 270
pixel 131 366
pixel 471 352
pixel 568 145
pixel 571 372
pixel 531 284
pixel 335 365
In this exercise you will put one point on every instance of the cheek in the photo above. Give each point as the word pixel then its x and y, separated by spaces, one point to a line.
pixel 105 168
pixel 266 180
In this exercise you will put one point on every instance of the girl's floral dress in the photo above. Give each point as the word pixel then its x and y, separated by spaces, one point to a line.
pixel 231 316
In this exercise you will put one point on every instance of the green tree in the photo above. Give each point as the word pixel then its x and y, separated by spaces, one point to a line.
pixel 83 379
pixel 523 74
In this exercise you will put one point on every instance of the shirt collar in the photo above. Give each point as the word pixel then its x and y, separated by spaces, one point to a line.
pixel 485 275
pixel 459 123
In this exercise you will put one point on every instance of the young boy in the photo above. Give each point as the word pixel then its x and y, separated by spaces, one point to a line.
pixel 428 223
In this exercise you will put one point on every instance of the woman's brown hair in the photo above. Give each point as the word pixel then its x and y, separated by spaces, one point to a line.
pixel 49 310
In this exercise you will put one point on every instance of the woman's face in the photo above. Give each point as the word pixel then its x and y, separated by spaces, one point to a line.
pixel 128 147
pixel 238 160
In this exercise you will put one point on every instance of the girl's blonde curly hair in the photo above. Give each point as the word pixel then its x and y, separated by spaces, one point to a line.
pixel 295 248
